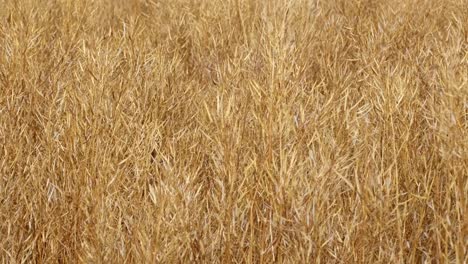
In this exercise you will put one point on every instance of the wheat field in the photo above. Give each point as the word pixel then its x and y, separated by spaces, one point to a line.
pixel 235 131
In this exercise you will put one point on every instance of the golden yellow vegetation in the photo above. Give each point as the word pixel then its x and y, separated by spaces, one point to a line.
pixel 209 131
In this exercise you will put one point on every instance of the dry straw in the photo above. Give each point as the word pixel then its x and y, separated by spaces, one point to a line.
pixel 180 131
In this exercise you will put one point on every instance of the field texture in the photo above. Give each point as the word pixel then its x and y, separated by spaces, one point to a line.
pixel 235 131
